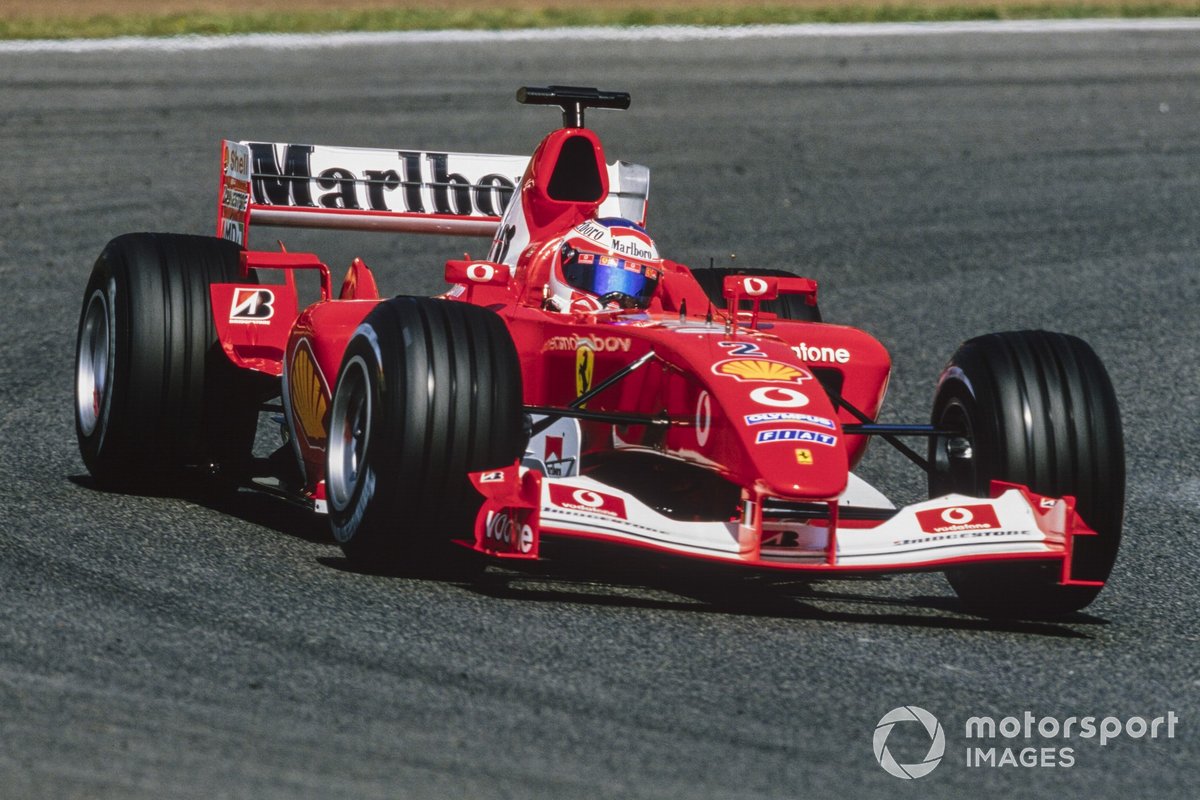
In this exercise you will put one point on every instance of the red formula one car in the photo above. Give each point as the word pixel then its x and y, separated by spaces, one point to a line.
pixel 575 383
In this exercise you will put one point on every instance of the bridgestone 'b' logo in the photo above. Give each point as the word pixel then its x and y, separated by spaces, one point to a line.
pixel 252 305
pixel 937 746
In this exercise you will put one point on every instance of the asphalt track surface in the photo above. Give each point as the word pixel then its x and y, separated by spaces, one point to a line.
pixel 938 187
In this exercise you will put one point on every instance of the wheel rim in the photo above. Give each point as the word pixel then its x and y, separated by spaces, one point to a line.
pixel 92 371
pixel 349 433
pixel 954 462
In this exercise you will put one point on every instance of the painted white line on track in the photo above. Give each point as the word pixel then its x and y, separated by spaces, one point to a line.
pixel 688 33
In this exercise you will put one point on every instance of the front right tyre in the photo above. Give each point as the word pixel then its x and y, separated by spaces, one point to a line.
pixel 428 391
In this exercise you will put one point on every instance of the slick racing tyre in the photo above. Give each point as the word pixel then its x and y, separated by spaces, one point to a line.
pixel 428 391
pixel 153 391
pixel 788 306
pixel 1034 408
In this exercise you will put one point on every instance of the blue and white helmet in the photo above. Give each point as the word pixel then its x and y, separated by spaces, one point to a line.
pixel 607 262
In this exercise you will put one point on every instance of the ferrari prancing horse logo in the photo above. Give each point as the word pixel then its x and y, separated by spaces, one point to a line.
pixel 585 366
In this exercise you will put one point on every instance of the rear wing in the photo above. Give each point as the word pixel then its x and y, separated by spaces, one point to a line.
pixel 355 188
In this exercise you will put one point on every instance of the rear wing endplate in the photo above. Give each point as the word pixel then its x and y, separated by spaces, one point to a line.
pixel 355 188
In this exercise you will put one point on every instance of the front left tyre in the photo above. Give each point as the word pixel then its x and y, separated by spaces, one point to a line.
pixel 1034 408
pixel 154 394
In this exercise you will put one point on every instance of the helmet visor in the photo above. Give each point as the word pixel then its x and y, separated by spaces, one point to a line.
pixel 601 275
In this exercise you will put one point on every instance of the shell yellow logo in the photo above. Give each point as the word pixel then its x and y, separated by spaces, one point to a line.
pixel 309 397
pixel 756 370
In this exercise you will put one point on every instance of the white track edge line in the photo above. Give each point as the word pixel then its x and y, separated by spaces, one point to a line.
pixel 689 33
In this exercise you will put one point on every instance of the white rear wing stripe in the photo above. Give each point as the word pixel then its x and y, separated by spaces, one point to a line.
pixel 312 186
pixel 374 220
pixel 363 188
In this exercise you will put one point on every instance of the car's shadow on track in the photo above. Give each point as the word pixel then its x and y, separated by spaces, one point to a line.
pixel 249 506
pixel 670 587
pixel 597 576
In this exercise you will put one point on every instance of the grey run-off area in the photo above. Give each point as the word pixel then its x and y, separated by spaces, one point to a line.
pixel 937 187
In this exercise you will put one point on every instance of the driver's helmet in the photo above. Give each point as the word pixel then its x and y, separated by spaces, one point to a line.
pixel 606 263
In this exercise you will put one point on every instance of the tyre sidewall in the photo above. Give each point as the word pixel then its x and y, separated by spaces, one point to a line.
pixel 369 497
pixel 92 444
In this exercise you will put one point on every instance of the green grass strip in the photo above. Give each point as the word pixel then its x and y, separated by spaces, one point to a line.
pixel 505 19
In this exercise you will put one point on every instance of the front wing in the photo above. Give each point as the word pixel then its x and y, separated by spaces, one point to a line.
pixel 521 506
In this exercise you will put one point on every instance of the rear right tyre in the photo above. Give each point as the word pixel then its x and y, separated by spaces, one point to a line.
pixel 154 393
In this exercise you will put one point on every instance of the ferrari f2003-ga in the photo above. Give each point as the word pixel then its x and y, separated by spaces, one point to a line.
pixel 576 383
